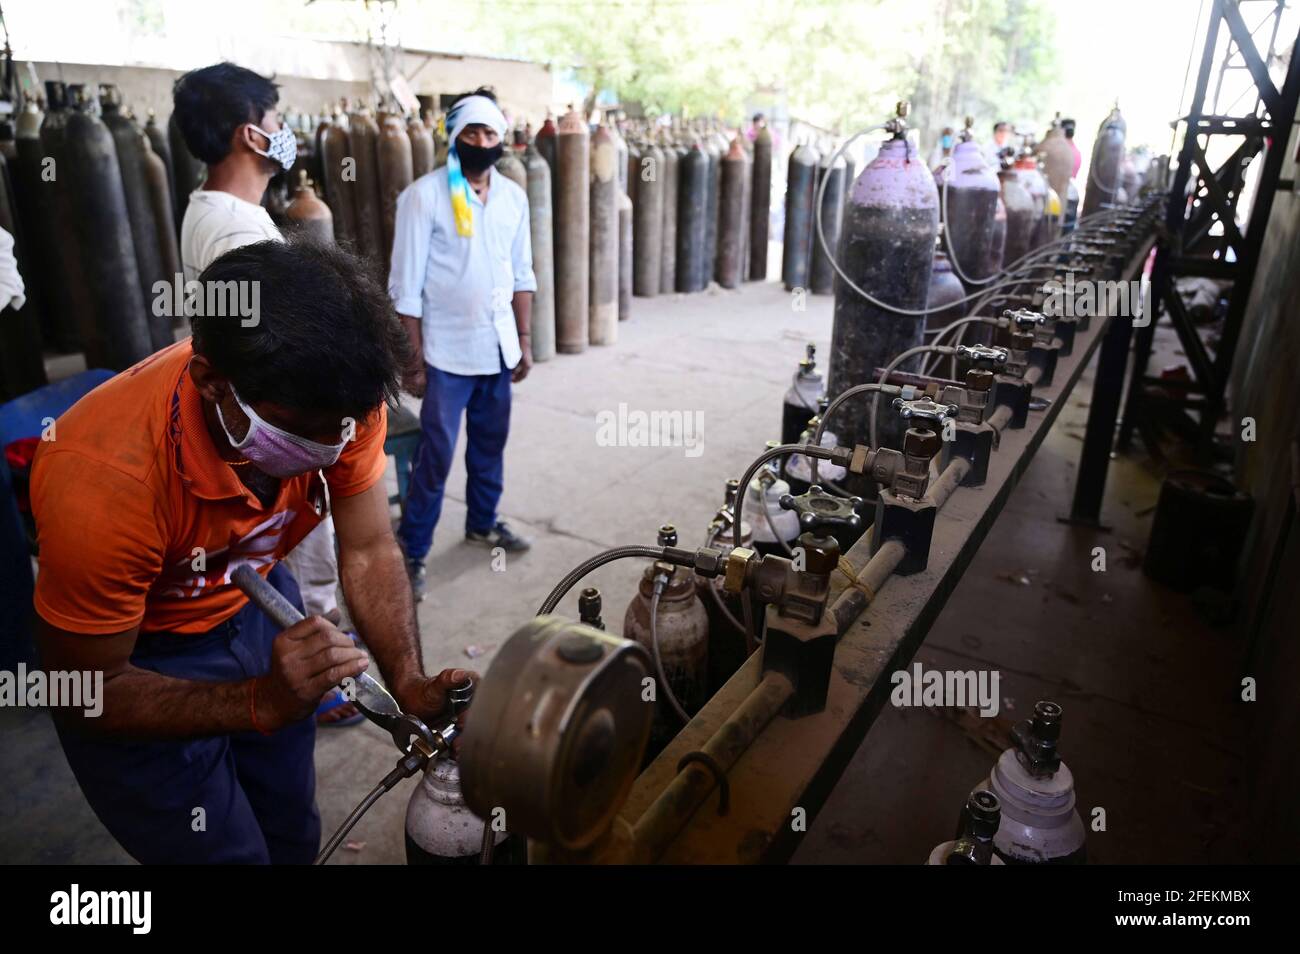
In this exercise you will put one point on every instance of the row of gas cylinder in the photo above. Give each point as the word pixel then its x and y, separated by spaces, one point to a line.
pixel 89 196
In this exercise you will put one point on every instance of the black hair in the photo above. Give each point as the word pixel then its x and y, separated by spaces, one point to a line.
pixel 1000 123
pixel 326 337
pixel 485 91
pixel 1067 126
pixel 212 102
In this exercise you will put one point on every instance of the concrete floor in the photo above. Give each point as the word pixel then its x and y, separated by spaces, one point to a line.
pixel 1146 685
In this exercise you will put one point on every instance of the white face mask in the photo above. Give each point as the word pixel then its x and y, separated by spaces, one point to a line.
pixel 282 145
pixel 277 452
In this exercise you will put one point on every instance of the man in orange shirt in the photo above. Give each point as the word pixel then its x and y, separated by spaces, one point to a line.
pixel 218 452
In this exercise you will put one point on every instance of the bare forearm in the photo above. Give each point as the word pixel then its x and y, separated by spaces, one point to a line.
pixel 379 602
pixel 414 335
pixel 141 704
pixel 522 305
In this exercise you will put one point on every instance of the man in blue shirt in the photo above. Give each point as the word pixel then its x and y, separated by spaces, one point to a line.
pixel 462 282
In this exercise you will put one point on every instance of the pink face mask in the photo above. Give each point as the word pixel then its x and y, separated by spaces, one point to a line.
pixel 277 452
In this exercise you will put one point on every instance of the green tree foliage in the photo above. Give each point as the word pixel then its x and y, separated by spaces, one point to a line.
pixel 835 63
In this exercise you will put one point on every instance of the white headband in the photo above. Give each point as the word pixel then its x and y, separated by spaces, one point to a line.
pixel 475 110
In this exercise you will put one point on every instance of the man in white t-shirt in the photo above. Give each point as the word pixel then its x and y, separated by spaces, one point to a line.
pixel 228 117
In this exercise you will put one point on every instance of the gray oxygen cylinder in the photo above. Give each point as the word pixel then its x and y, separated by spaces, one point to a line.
pixel 440 829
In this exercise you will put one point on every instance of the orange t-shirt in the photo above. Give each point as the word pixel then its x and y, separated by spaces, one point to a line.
pixel 140 521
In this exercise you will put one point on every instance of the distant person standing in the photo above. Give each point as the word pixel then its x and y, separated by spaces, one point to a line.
pixel 1067 126
pixel 1001 141
pixel 462 282
pixel 942 151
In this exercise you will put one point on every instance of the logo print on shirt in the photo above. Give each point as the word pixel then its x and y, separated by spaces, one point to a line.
pixel 255 548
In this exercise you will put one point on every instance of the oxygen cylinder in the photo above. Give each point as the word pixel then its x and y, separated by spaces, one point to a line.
pixel 363 137
pixel 969 206
pixel 545 142
pixel 1021 217
pixel 22 368
pixel 571 186
pixel 308 214
pixel 681 626
pixel 760 209
pixel 115 331
pixel 421 147
pixel 540 227
pixel 1057 157
pixel 440 829
pixel 796 256
pixel 772 526
pixel 798 469
pixel 130 145
pixel 159 184
pixel 668 243
pixel 1105 168
pixel 35 191
pixel 396 172
pixel 887 249
pixel 1027 172
pixel 944 300
pixel 340 190
pixel 712 197
pixel 1049 226
pixel 692 195
pixel 188 172
pixel 999 243
pixel 806 389
pixel 731 204
pixel 1072 208
pixel 648 219
pixel 512 167
pixel 821 275
pixel 1040 824
pixel 974 842
pixel 630 168
pixel 625 254
pixel 157 137
pixel 604 239
pixel 621 156
pixel 746 201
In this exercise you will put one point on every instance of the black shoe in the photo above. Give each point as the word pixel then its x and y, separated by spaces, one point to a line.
pixel 500 536
pixel 415 573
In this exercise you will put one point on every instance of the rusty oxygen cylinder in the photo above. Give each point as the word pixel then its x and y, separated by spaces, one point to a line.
pixel 546 142
pixel 746 204
pixel 363 137
pixel 22 367
pixel 692 192
pixel 760 210
pixel 620 155
pixel 887 248
pixel 308 214
pixel 395 173
pixel 731 204
pixel 512 167
pixel 667 174
pixel 34 190
pixel 968 198
pixel 340 187
pixel 799 197
pixel 821 274
pixel 157 137
pixel 1021 219
pixel 421 147
pixel 130 145
pixel 115 332
pixel 187 172
pixel 604 239
pixel 540 226
pixel 647 178
pixel 572 210
pixel 160 204
pixel 1058 158
pixel 625 253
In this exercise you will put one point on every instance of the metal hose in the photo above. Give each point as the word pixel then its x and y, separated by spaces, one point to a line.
pixel 599 560
pixel 660 582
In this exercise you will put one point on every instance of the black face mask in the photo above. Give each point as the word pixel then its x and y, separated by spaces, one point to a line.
pixel 474 159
